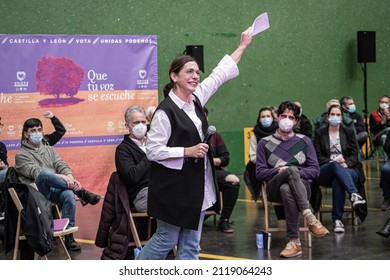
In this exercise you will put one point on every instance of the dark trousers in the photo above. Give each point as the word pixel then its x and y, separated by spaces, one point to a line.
pixel 288 187
pixel 229 193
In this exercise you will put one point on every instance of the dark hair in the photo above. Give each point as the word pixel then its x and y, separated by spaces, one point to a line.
pixel 288 105
pixel 262 110
pixel 29 124
pixel 176 65
pixel 383 96
pixel 206 111
pixel 337 107
pixel 343 101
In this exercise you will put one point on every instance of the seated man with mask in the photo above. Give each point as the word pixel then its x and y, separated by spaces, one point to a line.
pixel 130 158
pixel 287 162
pixel 38 163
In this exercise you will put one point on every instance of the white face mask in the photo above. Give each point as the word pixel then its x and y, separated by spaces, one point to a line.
pixel 139 130
pixel 384 106
pixel 286 125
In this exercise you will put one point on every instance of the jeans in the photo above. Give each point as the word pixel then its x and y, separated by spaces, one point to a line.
pixel 288 187
pixel 56 190
pixel 385 179
pixel 168 236
pixel 341 179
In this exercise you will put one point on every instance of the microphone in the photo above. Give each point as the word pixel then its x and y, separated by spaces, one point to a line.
pixel 210 131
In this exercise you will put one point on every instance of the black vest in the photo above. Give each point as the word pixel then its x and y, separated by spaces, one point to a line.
pixel 176 196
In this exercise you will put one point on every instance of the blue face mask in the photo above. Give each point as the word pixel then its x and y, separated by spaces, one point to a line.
pixel 36 138
pixel 352 108
pixel 334 121
pixel 266 122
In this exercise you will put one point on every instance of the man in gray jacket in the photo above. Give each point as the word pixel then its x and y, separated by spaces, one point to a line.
pixel 41 164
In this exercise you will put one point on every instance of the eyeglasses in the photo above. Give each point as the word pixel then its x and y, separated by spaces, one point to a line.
pixel 191 72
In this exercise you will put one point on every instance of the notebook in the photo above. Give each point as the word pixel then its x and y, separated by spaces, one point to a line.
pixel 60 224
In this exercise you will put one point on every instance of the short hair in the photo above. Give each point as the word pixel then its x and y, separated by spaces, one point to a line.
pixel 383 96
pixel 33 122
pixel 288 105
pixel 332 101
pixel 131 109
pixel 343 100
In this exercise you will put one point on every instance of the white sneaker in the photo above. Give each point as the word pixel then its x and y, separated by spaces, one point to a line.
pixel 357 200
pixel 338 227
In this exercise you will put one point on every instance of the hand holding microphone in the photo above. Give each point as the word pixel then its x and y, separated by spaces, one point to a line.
pixel 210 131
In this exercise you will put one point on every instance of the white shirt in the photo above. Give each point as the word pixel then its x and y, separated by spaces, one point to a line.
pixel 160 127
pixel 140 144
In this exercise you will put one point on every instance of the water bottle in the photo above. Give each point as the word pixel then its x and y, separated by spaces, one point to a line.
pixel 259 240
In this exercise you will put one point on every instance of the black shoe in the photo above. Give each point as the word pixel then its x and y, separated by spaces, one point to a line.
pixel 71 244
pixel 385 204
pixel 224 226
pixel 88 197
pixel 385 231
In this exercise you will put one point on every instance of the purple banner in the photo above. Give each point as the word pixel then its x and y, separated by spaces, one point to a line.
pixel 110 62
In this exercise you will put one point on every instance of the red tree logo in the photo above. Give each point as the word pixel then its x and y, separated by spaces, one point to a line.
pixel 56 76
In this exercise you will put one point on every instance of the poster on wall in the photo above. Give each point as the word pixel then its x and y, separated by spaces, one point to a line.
pixel 87 81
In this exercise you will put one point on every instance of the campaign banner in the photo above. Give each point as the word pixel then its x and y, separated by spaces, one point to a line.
pixel 87 81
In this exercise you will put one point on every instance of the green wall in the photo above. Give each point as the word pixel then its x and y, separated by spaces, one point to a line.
pixel 308 54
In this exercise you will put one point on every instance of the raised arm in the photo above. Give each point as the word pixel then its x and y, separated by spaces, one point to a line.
pixel 245 41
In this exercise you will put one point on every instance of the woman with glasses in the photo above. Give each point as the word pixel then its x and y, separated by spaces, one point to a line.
pixel 182 181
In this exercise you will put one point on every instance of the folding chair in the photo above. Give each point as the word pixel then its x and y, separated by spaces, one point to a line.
pixel 348 209
pixel 281 227
pixel 137 241
pixel 58 235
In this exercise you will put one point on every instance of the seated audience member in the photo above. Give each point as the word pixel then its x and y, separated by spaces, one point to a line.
pixel 52 138
pixel 304 125
pixel 385 176
pixel 349 112
pixel 130 158
pixel 41 164
pixel 228 183
pixel 287 162
pixel 265 125
pixel 320 121
pixel 379 121
pixel 337 154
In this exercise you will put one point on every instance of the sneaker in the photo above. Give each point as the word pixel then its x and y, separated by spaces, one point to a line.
pixel 385 204
pixel 338 227
pixel 357 200
pixel 317 229
pixel 224 226
pixel 2 215
pixel 292 250
pixel 71 244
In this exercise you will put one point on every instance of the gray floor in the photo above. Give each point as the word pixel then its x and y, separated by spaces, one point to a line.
pixel 358 242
